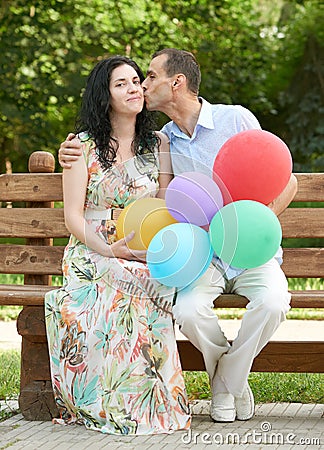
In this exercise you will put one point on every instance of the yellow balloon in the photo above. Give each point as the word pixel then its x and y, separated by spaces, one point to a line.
pixel 145 216
pixel 154 221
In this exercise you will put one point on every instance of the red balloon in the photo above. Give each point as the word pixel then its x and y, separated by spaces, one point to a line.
pixel 253 165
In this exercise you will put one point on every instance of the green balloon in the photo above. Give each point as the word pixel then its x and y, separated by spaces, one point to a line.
pixel 245 234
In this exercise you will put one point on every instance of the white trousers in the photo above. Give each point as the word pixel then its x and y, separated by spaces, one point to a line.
pixel 266 288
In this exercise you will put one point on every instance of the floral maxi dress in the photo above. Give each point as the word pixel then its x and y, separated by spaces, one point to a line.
pixel 113 356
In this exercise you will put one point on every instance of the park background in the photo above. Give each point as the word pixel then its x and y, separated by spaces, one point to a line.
pixel 266 55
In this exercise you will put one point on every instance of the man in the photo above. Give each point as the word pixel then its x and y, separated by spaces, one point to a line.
pixel 196 132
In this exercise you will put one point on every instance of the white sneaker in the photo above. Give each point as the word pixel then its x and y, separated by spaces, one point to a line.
pixel 245 405
pixel 222 407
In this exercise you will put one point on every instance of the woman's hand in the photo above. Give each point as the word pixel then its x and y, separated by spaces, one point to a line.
pixel 120 249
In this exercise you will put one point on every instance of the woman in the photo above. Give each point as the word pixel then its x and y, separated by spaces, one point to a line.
pixel 114 362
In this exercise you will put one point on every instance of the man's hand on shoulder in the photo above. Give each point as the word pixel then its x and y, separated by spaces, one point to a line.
pixel 70 150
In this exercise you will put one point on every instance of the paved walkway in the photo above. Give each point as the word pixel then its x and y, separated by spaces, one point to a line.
pixel 274 426
pixel 288 330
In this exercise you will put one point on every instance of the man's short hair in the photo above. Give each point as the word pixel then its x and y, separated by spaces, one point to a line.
pixel 181 61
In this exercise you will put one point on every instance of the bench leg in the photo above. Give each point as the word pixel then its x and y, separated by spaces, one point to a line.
pixel 36 400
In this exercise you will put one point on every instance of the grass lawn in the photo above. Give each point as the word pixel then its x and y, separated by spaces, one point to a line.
pixel 267 387
pixel 9 378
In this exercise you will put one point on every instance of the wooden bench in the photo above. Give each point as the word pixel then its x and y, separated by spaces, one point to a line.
pixel 34 219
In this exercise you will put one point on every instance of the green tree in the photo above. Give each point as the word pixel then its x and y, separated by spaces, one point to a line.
pixel 296 84
pixel 48 49
pixel 248 55
pixel 39 60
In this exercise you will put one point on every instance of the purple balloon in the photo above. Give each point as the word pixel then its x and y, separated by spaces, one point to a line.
pixel 193 197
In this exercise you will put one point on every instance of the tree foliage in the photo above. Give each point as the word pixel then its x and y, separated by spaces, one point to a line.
pixel 246 56
pixel 298 84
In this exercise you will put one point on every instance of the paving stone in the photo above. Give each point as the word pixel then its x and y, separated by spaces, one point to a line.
pixel 302 421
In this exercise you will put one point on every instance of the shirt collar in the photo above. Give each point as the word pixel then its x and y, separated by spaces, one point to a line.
pixel 205 119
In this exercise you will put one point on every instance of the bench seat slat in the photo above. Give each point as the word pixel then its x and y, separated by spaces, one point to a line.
pixel 303 262
pixel 48 187
pixel 300 299
pixel 49 222
pixel 310 187
pixel 34 295
pixel 23 295
pixel 36 259
pixel 302 223
pixel 31 259
pixel 276 356
pixel 31 187
pixel 32 222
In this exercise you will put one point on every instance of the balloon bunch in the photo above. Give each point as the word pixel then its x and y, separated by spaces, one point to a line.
pixel 252 168
pixel 178 249
pixel 180 253
pixel 225 214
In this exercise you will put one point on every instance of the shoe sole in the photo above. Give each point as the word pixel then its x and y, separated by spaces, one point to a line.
pixel 221 421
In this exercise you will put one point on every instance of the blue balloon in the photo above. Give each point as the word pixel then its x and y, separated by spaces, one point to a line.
pixel 179 254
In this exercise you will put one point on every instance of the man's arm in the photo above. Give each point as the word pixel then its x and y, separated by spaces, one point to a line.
pixel 279 204
pixel 70 150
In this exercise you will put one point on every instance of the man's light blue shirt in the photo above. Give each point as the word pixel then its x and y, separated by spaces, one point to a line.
pixel 215 125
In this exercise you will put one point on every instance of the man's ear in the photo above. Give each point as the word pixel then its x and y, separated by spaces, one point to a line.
pixel 180 78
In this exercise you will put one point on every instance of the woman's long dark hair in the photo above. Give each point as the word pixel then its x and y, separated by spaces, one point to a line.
pixel 94 118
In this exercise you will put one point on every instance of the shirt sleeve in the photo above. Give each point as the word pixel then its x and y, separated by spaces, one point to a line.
pixel 246 119
pixel 166 129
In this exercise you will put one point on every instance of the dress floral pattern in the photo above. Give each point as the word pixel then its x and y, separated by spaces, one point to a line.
pixel 113 356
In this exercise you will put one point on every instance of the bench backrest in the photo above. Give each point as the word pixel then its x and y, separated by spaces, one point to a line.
pixel 34 218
